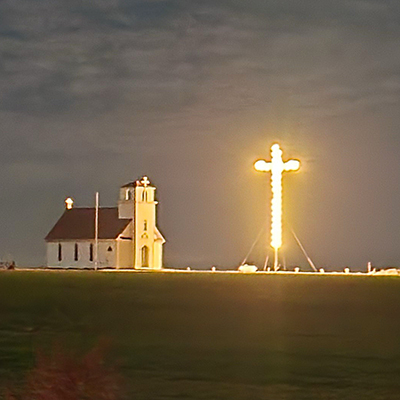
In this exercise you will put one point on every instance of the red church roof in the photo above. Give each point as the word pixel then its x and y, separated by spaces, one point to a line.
pixel 78 223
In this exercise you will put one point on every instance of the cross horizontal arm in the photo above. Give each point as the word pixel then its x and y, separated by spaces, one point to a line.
pixel 262 166
pixel 291 165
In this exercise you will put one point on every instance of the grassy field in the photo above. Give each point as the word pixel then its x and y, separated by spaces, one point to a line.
pixel 213 336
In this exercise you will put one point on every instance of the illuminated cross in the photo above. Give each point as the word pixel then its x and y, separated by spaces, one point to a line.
pixel 69 203
pixel 276 166
pixel 145 181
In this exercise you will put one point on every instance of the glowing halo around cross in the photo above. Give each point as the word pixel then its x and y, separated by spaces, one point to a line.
pixel 276 166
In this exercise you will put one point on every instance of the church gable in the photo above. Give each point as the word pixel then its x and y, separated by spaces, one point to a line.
pixel 158 235
pixel 79 224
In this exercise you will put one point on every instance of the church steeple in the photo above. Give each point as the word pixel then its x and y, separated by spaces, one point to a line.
pixel 148 240
pixel 137 202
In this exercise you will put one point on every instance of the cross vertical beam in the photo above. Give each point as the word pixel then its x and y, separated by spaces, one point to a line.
pixel 276 166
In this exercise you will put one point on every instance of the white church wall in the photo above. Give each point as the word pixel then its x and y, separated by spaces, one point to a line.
pixel 124 253
pixel 52 254
pixel 124 245
pixel 106 254
pixel 158 254
pixel 107 258
pixel 67 254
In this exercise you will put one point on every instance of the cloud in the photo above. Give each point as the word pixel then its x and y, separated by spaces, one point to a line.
pixel 76 56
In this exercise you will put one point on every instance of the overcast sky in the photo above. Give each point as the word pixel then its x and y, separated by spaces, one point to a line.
pixel 96 93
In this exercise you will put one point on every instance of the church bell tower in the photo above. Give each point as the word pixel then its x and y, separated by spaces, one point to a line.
pixel 148 239
pixel 137 203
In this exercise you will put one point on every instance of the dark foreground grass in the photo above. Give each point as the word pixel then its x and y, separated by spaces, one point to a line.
pixel 213 336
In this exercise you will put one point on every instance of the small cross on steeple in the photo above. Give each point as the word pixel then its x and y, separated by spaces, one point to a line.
pixel 145 181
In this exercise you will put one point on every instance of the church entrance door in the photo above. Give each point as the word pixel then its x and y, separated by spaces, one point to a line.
pixel 145 257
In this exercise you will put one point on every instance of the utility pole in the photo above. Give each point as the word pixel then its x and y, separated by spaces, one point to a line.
pixel 96 233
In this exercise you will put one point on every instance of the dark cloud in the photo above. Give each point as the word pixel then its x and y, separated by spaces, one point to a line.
pixel 191 92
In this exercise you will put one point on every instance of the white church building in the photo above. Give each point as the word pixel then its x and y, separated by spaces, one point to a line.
pixel 127 235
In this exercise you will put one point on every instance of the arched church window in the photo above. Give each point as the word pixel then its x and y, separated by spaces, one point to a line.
pixel 76 253
pixel 91 252
pixel 145 225
pixel 144 195
pixel 127 194
pixel 59 252
pixel 144 256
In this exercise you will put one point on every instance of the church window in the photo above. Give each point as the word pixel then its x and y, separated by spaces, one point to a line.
pixel 59 252
pixel 145 225
pixel 145 256
pixel 76 252
pixel 144 195
pixel 127 194
pixel 91 252
pixel 109 248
